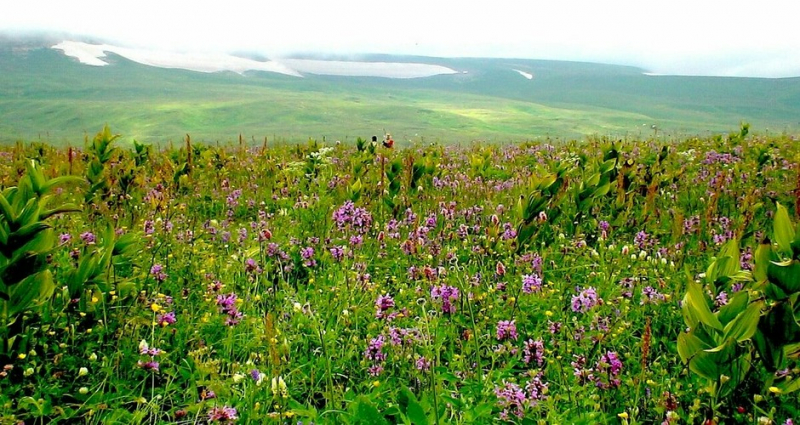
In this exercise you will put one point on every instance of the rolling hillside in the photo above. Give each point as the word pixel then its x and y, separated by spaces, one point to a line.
pixel 49 96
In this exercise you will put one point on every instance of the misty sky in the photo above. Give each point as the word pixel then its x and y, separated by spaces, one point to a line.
pixel 697 37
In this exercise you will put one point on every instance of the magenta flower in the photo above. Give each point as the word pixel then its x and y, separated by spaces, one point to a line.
pixel 157 271
pixel 531 283
pixel 151 365
pixel 585 300
pixel 422 364
pixel 165 319
pixel 223 414
pixel 506 330
pixel 383 303
pixel 534 352
pixel 88 238
pixel 448 295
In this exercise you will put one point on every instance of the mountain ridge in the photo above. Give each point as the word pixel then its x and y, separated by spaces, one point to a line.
pixel 44 92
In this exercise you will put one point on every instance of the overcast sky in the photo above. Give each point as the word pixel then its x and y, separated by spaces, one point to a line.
pixel 696 37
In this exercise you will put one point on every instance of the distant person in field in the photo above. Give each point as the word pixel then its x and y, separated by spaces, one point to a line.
pixel 388 142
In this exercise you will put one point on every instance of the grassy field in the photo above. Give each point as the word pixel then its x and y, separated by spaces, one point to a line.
pixel 47 96
pixel 531 283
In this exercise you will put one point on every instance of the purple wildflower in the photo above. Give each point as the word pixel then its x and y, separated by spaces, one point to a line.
pixel 534 351
pixel 383 303
pixel 448 295
pixel 512 399
pixel 423 364
pixel 157 271
pixel 165 319
pixel 585 300
pixel 531 283
pixel 506 330
pixel 223 414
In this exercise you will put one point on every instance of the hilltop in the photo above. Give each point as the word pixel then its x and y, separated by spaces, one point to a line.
pixel 45 94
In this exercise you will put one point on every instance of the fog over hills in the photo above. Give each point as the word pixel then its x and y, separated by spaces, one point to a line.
pixel 62 88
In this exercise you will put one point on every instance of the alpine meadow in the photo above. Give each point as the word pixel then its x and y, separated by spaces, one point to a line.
pixel 526 241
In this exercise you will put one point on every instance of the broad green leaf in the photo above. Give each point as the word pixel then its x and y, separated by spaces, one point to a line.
pixel 745 324
pixel 23 235
pixel 706 365
pixel 28 214
pixel 415 413
pixel 783 230
pixel 789 386
pixel 24 294
pixel 59 181
pixel 736 304
pixel 731 251
pixel 697 302
pixel 689 345
pixel 786 277
pixel 6 210
pixel 20 267
pixel 779 325
pixel 601 190
pixel 367 413
pixel 66 208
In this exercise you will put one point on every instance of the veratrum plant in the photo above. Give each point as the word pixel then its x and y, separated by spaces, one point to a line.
pixel 26 281
pixel 717 344
pixel 102 151
pixel 761 318
pixel 777 272
pixel 98 266
pixel 542 205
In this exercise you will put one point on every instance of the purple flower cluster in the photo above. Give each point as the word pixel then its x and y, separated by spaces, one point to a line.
pixel 607 371
pixel 223 414
pixel 533 351
pixel 531 283
pixel 307 254
pixel 585 300
pixel 514 400
pixel 603 226
pixel 404 336
pixel 88 238
pixel 165 319
pixel 643 240
pixel 448 295
pixel 375 354
pixel 227 305
pixel 506 330
pixel 382 304
pixel 157 271
pixel 251 266
pixel 359 219
pixel 714 157
pixel 651 296
pixel 151 364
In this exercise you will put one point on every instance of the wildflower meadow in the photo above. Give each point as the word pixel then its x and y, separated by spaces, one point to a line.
pixel 601 281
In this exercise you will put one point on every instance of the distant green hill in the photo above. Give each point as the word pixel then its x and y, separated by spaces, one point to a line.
pixel 46 95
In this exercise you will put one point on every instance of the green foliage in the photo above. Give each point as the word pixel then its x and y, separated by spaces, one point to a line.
pixel 102 151
pixel 778 274
pixel 551 275
pixel 713 346
pixel 26 242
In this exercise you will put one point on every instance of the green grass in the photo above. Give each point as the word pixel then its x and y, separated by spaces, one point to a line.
pixel 45 95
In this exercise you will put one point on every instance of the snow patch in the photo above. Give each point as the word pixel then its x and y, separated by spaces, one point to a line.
pixel 90 54
pixel 367 69
pixel 527 75
pixel 201 62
